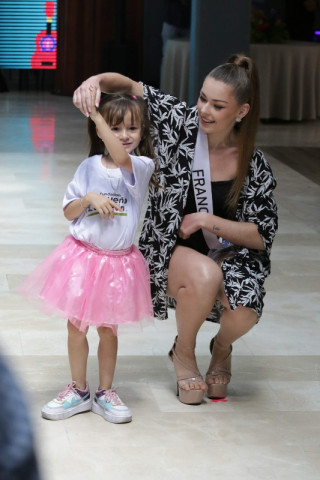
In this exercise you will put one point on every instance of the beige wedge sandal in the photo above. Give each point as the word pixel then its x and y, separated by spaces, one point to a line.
pixel 186 373
pixel 218 390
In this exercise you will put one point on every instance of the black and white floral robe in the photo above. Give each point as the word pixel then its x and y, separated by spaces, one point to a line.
pixel 176 126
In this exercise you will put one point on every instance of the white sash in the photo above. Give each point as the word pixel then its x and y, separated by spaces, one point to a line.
pixel 202 187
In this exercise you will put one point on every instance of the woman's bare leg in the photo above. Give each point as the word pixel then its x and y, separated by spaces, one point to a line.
pixel 233 325
pixel 107 356
pixel 193 280
pixel 78 350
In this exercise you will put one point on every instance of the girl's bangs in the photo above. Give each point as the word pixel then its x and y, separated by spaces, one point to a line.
pixel 115 112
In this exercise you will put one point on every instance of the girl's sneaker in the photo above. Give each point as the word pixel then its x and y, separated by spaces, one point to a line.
pixel 69 401
pixel 109 405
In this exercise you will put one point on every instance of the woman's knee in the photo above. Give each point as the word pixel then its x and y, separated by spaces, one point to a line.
pixel 242 315
pixel 193 271
pixel 247 314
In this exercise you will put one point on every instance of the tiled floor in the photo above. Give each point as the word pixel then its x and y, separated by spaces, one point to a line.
pixel 269 427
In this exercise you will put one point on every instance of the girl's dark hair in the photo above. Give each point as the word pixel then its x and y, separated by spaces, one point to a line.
pixel 241 74
pixel 113 107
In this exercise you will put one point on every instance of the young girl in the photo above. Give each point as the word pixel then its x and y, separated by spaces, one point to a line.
pixel 97 276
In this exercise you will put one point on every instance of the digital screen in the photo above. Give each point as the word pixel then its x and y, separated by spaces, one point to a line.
pixel 28 34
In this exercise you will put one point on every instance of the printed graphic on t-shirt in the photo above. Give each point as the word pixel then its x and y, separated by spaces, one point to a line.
pixel 115 197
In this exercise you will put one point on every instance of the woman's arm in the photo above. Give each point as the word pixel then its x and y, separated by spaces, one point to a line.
pixel 103 82
pixel 258 221
pixel 239 233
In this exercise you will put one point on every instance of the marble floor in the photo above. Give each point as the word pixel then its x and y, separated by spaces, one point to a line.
pixel 269 427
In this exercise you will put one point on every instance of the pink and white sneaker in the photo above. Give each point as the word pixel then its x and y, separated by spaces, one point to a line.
pixel 109 405
pixel 69 401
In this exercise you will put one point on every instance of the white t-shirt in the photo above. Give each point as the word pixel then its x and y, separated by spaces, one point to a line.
pixel 125 188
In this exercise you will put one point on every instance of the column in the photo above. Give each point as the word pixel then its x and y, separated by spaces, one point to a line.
pixel 219 28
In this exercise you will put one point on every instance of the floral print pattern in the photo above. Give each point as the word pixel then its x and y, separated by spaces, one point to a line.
pixel 175 130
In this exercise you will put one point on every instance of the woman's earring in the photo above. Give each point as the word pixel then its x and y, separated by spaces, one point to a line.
pixel 238 119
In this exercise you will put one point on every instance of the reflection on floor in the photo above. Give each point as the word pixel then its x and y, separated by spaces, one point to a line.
pixel 269 427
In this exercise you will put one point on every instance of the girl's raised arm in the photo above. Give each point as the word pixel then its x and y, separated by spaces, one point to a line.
pixel 115 148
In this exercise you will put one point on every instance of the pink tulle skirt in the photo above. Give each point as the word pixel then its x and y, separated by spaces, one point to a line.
pixel 91 286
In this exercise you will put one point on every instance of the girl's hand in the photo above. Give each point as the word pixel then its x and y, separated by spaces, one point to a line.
pixel 82 97
pixel 104 205
pixel 191 223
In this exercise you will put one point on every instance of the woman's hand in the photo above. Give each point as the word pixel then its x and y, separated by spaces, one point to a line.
pixel 82 96
pixel 106 82
pixel 191 223
pixel 102 204
pixel 245 234
pixel 94 113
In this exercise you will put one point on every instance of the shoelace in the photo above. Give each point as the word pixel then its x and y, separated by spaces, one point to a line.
pixel 69 388
pixel 112 396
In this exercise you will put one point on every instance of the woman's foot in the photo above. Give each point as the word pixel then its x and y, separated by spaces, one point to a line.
pixel 219 372
pixel 190 384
